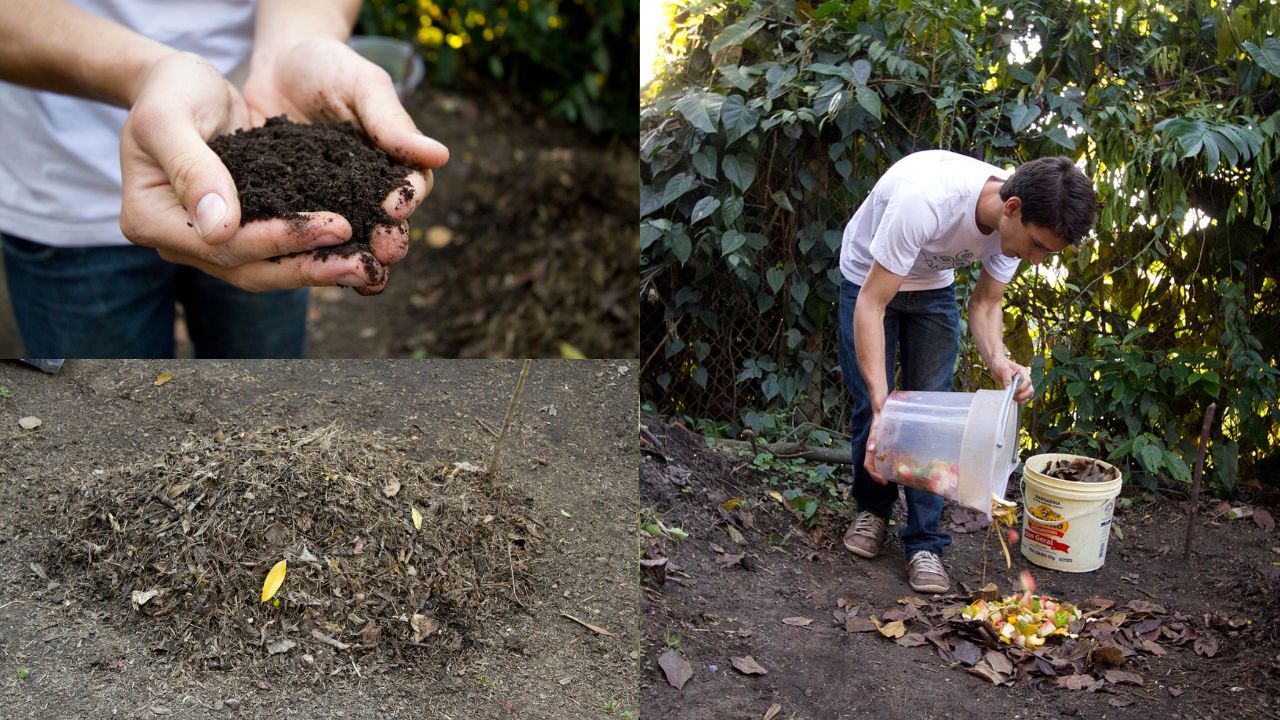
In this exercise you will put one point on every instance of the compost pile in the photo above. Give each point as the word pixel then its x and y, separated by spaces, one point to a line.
pixel 389 561
pixel 284 168
pixel 1081 470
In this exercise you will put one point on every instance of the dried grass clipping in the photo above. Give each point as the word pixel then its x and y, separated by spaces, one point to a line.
pixel 197 530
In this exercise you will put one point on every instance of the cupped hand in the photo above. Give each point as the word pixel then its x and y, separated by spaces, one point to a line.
pixel 324 80
pixel 869 460
pixel 179 198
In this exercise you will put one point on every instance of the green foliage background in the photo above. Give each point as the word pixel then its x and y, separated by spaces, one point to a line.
pixel 574 57
pixel 773 120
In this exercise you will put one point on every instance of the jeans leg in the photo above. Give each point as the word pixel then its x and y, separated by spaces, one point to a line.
pixel 227 322
pixel 869 495
pixel 96 302
pixel 929 345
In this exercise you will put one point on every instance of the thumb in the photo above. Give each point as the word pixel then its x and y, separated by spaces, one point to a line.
pixel 200 181
pixel 390 127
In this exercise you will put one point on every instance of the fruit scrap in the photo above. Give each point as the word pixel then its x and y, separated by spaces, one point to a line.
pixel 1022 622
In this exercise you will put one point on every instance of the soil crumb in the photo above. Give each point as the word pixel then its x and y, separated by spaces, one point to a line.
pixel 285 168
pixel 390 562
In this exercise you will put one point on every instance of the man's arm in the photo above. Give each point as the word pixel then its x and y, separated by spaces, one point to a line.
pixel 986 325
pixel 281 24
pixel 868 340
pixel 55 46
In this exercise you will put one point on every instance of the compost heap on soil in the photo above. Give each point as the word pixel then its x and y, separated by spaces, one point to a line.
pixel 389 560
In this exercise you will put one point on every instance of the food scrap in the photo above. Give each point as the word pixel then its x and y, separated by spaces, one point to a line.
pixel 1024 619
pixel 936 476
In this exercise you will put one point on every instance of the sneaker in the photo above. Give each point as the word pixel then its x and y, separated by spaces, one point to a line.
pixel 926 574
pixel 865 535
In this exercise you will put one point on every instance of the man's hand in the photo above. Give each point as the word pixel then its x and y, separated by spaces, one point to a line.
pixel 180 199
pixel 1002 371
pixel 869 460
pixel 322 79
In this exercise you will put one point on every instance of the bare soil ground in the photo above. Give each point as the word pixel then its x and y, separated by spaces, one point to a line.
pixel 711 613
pixel 571 449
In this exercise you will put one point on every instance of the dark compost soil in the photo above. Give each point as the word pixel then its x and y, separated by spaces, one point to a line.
pixel 284 168
pixel 1166 638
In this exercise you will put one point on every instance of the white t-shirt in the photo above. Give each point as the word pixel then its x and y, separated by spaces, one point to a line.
pixel 919 221
pixel 60 155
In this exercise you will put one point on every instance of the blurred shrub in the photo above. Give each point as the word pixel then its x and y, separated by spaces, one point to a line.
pixel 577 58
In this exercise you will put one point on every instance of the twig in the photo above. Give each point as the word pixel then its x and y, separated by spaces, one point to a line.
pixel 1195 479
pixel 506 423
pixel 331 642
pixel 487 426
pixel 589 626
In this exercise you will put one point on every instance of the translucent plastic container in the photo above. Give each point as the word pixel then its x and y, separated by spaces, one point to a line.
pixel 962 446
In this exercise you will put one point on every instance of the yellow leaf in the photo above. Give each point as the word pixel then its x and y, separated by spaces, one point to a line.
pixel 895 629
pixel 163 378
pixel 417 519
pixel 569 352
pixel 778 496
pixel 731 504
pixel 274 580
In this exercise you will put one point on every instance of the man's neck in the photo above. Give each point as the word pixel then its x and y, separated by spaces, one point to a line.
pixel 990 206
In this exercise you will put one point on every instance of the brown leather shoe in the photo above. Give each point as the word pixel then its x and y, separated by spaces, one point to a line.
pixel 926 574
pixel 865 535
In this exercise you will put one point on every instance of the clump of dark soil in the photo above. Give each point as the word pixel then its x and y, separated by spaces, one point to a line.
pixel 284 168
pixel 389 562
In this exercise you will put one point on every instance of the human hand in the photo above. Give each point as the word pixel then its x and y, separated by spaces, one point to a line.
pixel 869 460
pixel 322 79
pixel 180 199
pixel 1003 370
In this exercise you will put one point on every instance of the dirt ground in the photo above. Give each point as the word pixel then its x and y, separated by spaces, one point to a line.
pixel 61 657
pixel 711 613
pixel 528 242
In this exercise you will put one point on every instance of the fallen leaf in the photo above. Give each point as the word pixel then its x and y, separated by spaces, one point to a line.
pixel 1120 702
pixel 569 352
pixel 748 666
pixel 1207 644
pixel 417 518
pixel 1109 656
pixel 1079 682
pixel 676 668
pixel 30 422
pixel 734 535
pixel 1175 691
pixel 1264 520
pixel 911 640
pixel 967 653
pixel 773 710
pixel 274 580
pixel 140 598
pixel 988 674
pixel 391 488
pixel 858 624
pixel 281 645
pixel 1153 648
pixel 731 504
pixel 778 496
pixel 893 629
pixel 163 378
pixel 798 621
pixel 1120 677
pixel 999 662
pixel 728 560
pixel 422 625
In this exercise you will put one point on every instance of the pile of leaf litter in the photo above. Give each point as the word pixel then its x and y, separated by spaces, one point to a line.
pixel 390 562
pixel 1102 648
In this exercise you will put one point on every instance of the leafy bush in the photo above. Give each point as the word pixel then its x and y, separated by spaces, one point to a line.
pixel 773 120
pixel 575 57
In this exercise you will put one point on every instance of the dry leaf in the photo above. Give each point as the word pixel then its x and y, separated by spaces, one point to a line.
pixel 423 625
pixel 676 668
pixel 417 518
pixel 852 623
pixel 911 640
pixel 163 378
pixel 1264 519
pixel 391 488
pixel 281 645
pixel 728 560
pixel 1079 682
pixel 773 710
pixel 731 504
pixel 274 580
pixel 30 422
pixel 1120 677
pixel 988 674
pixel 140 598
pixel 1239 513
pixel 1207 644
pixel 748 665
pixel 734 535
pixel 893 629
pixel 999 662
pixel 1153 648
pixel 798 621
pixel 1120 702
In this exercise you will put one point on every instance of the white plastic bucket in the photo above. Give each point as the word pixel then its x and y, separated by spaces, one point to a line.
pixel 962 446
pixel 1065 524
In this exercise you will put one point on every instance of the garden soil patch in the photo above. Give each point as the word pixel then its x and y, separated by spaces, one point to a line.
pixel 284 168
pixel 320 464
pixel 840 637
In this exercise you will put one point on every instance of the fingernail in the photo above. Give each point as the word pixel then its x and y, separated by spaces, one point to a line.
pixel 209 212
pixel 325 241
pixel 353 280
pixel 433 144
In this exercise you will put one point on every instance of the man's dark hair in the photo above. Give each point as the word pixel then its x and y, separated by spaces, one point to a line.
pixel 1054 195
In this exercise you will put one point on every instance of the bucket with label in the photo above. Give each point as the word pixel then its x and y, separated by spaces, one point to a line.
pixel 959 445
pixel 1066 523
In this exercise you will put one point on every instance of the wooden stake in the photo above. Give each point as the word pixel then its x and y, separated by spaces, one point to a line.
pixel 1195 478
pixel 511 411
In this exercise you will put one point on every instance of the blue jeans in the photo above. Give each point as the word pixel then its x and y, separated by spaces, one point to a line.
pixel 922 329
pixel 121 301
